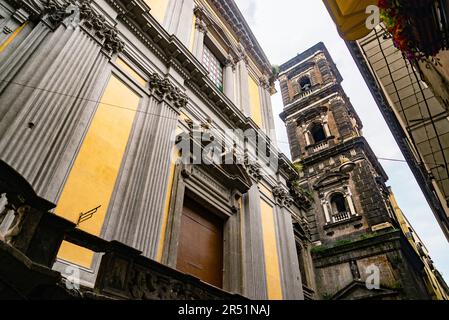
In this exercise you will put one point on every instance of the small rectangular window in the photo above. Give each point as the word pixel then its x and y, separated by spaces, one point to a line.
pixel 214 66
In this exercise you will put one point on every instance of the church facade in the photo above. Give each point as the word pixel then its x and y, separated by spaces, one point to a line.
pixel 149 123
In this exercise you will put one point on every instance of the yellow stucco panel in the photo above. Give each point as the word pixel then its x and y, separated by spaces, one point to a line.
pixel 158 8
pixel 265 190
pixel 122 64
pixel 174 158
pixel 271 252
pixel 92 178
pixel 254 96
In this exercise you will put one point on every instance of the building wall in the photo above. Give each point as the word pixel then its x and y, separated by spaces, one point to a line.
pixel 91 121
pixel 354 232
pixel 411 104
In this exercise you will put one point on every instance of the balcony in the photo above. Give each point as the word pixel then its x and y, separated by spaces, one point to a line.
pixel 320 146
pixel 341 216
pixel 304 94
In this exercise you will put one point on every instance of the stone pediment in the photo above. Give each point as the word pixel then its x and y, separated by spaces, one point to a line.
pixel 311 114
pixel 330 178
pixel 224 176
pixel 357 290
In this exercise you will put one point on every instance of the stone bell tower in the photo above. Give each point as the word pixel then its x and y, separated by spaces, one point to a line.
pixel 325 136
pixel 344 177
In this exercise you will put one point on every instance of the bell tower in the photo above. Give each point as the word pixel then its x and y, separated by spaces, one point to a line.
pixel 325 136
pixel 353 227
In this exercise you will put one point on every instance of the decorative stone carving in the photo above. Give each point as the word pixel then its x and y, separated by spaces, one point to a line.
pixel 337 99
pixel 355 270
pixel 97 23
pixel 201 26
pixel 16 227
pixel 282 197
pixel 253 168
pixel 81 12
pixel 165 90
pixel 134 277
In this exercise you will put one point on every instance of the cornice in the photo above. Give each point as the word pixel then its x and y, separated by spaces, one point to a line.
pixel 304 102
pixel 231 13
pixel 346 146
pixel 282 196
pixel 165 90
pixel 79 12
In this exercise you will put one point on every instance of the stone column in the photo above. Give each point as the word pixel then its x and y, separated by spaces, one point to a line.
pixel 305 132
pixel 348 196
pixel 271 128
pixel 40 130
pixel 178 19
pixel 288 258
pixel 255 283
pixel 326 126
pixel 137 204
pixel 229 90
pixel 200 33
pixel 325 205
pixel 243 87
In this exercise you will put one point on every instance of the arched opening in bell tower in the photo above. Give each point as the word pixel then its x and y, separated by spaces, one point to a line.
pixel 318 133
pixel 305 84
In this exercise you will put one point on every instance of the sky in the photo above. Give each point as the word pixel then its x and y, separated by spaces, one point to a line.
pixel 285 28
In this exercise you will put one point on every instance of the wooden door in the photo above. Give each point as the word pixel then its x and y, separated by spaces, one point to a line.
pixel 200 247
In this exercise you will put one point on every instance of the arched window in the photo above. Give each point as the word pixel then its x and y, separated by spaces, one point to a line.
pixel 317 132
pixel 305 84
pixel 338 204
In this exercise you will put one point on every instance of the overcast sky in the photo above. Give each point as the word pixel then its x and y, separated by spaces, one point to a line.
pixel 285 28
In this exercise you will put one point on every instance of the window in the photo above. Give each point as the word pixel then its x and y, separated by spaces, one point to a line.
pixel 338 204
pixel 214 66
pixel 317 132
pixel 305 84
pixel 340 210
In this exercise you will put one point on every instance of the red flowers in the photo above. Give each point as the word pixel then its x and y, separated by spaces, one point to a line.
pixel 394 16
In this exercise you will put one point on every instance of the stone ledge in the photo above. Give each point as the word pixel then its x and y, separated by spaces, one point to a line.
pixel 337 224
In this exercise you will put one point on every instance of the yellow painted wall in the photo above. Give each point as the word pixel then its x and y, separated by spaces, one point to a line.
pixel 265 191
pixel 432 282
pixel 12 36
pixel 271 252
pixel 158 8
pixel 175 156
pixel 95 170
pixel 131 71
pixel 254 96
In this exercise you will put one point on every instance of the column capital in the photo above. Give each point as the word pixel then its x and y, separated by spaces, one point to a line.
pixel 229 62
pixel 201 26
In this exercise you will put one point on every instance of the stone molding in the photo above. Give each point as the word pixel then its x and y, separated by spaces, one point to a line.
pixel 283 197
pixel 165 90
pixel 74 12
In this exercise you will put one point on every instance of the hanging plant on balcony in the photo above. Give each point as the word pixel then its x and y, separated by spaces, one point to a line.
pixel 414 27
